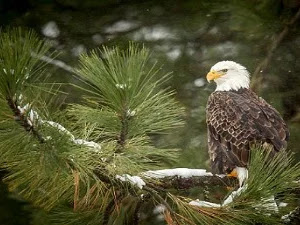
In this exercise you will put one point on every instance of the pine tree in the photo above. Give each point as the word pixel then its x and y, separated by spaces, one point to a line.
pixel 90 162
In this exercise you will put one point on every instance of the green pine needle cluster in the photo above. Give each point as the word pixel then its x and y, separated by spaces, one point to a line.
pixel 126 103
pixel 127 95
pixel 71 174
pixel 19 59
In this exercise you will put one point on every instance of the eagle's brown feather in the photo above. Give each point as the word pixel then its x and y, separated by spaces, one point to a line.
pixel 235 121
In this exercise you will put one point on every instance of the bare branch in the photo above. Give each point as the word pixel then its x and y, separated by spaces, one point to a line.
pixel 196 181
pixel 257 75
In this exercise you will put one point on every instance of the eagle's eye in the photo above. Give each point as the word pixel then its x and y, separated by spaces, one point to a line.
pixel 224 70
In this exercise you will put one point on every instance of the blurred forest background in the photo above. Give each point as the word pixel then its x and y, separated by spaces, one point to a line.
pixel 186 37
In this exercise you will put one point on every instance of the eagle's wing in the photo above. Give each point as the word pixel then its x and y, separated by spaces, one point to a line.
pixel 237 120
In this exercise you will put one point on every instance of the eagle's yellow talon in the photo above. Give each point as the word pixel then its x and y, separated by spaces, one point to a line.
pixel 233 173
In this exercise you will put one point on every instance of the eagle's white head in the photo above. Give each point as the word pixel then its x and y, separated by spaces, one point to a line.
pixel 229 75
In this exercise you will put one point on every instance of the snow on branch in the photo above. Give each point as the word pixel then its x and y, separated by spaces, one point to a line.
pixel 291 216
pixel 187 178
pixel 29 117
pixel 62 129
pixel 184 178
pixel 227 201
pixel 134 180
pixel 180 172
pixel 199 203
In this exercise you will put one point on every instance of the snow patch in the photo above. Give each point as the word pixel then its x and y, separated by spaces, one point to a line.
pixel 174 54
pixel 282 204
pixel 287 218
pixel 121 26
pixel 159 209
pixel 234 194
pixel 23 109
pixel 269 204
pixel 200 82
pixel 121 86
pixel 135 180
pixel 154 33
pixel 59 127
pixel 51 30
pixel 130 113
pixel 97 39
pixel 91 144
pixel 180 172
pixel 242 175
pixel 199 203
pixel 33 116
pixel 78 50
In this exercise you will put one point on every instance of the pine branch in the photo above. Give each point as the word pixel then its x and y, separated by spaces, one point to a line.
pixel 22 120
pixel 182 183
pixel 123 133
pixel 28 124
pixel 291 216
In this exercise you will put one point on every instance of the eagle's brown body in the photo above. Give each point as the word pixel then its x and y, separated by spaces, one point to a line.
pixel 235 121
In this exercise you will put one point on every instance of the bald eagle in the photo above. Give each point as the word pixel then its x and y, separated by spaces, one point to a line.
pixel 237 118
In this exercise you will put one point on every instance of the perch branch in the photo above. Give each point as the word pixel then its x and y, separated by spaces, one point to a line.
pixel 184 178
pixel 196 181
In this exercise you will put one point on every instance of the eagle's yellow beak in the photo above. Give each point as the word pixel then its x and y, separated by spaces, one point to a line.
pixel 212 75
